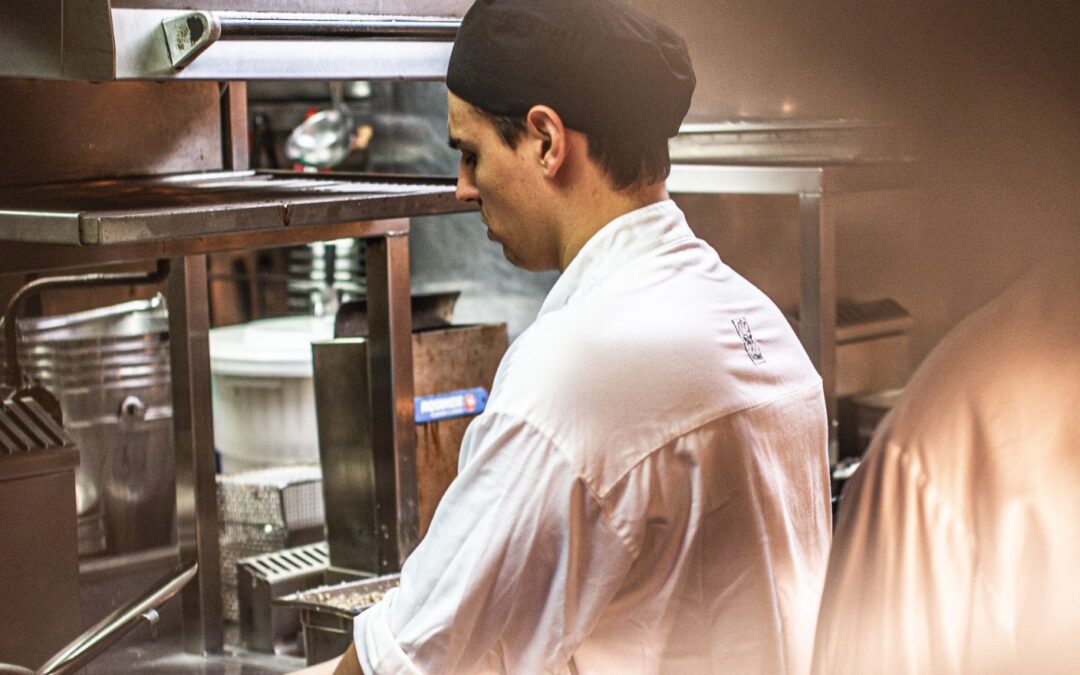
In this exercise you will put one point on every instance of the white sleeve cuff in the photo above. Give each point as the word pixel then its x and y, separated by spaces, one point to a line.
pixel 376 647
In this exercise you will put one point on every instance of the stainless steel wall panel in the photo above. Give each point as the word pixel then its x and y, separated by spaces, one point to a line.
pixel 31 32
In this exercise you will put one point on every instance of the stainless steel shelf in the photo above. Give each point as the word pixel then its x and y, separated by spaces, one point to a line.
pixel 167 208
pixel 182 218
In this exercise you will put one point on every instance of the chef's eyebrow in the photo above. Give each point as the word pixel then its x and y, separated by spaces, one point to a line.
pixel 460 144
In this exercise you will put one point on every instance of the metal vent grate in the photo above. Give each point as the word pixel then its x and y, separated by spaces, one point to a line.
pixel 313 557
pixel 26 426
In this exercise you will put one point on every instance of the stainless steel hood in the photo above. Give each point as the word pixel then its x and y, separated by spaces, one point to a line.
pixel 103 40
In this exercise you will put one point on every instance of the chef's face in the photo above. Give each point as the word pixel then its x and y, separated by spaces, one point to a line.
pixel 507 184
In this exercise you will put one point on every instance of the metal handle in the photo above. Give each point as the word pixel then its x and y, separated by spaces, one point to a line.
pixel 11 313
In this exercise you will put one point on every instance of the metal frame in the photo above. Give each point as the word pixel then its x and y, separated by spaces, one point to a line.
pixel 390 372
pixel 812 184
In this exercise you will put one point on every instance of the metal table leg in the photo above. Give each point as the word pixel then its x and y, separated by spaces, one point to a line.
pixel 817 297
pixel 390 372
pixel 196 490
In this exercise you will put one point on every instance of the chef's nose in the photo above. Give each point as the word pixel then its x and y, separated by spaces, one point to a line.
pixel 466 188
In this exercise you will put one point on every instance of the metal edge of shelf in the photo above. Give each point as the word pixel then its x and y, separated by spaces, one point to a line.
pixel 423 196
pixel 39 227
pixel 38 257
pixel 790 179
pixel 736 179
pixel 124 227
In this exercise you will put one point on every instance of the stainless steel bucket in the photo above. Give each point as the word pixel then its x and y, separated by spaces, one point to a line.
pixel 109 368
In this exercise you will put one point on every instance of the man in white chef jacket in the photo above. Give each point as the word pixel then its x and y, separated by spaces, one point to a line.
pixel 647 490
pixel 957 548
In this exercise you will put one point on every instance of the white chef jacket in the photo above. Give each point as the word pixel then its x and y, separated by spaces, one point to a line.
pixel 958 542
pixel 646 491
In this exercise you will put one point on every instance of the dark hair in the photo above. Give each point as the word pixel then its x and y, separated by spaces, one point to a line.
pixel 627 161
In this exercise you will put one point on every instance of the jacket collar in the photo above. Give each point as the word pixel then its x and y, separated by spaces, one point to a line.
pixel 629 236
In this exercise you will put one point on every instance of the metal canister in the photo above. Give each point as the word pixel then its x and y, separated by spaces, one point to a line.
pixel 109 369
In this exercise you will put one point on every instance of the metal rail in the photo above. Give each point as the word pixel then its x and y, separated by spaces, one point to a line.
pixel 189 35
pixel 118 623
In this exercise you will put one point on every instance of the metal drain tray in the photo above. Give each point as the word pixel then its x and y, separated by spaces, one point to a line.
pixel 327 613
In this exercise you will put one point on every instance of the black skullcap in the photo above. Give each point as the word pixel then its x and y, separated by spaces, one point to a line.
pixel 605 68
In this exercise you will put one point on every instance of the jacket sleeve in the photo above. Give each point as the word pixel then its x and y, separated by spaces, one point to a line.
pixel 517 565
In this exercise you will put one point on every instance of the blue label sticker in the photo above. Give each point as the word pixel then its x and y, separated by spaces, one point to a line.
pixel 451 404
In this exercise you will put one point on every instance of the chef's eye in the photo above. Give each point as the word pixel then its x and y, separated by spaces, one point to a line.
pixel 468 159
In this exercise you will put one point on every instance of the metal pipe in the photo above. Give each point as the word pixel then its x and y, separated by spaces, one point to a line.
pixel 117 624
pixel 11 333
pixel 188 35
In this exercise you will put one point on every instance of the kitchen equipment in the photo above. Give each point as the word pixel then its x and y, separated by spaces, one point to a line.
pixel 176 210
pixel 366 493
pixel 264 511
pixel 185 216
pixel 265 627
pixel 325 138
pixel 39 565
pixel 263 396
pixel 322 275
pixel 109 369
pixel 327 613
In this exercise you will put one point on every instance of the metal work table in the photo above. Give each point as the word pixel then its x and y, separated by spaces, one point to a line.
pixel 812 182
pixel 184 217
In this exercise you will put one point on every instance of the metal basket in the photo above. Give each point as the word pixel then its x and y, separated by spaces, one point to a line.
pixel 327 613
pixel 264 511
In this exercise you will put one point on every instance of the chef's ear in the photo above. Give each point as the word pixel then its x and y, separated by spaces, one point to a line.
pixel 548 136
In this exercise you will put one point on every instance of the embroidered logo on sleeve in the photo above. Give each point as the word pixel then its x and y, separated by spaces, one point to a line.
pixel 751 345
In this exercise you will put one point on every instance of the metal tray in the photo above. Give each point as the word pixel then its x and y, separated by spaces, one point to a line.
pixel 327 612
